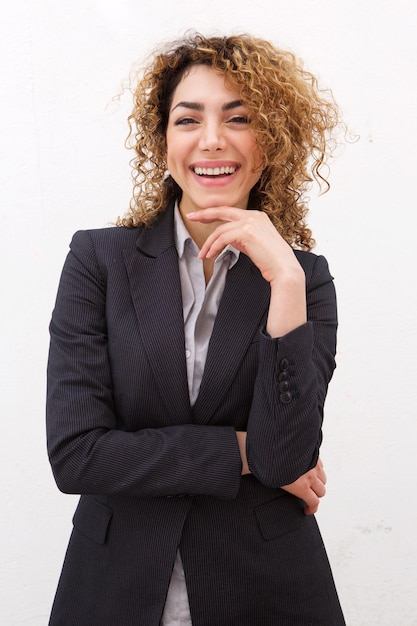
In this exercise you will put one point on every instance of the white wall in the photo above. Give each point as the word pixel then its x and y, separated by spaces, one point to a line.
pixel 64 167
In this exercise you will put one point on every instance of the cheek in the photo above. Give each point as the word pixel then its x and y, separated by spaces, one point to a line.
pixel 174 150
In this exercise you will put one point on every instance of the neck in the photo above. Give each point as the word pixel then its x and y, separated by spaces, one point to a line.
pixel 198 231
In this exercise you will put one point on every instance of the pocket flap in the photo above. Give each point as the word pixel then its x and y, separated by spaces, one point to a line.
pixel 92 518
pixel 281 516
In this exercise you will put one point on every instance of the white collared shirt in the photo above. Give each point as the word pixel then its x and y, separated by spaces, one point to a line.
pixel 200 302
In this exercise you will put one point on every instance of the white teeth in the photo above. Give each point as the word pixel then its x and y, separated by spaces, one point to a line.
pixel 214 171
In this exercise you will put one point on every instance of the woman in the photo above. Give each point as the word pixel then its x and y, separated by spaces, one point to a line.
pixel 191 350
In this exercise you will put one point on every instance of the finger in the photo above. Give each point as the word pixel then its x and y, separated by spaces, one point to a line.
pixel 312 504
pixel 215 214
pixel 216 242
pixel 319 488
pixel 321 474
pixel 320 471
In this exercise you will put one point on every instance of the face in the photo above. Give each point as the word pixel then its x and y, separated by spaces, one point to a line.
pixel 211 150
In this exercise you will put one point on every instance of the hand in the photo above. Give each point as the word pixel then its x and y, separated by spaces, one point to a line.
pixel 251 232
pixel 310 487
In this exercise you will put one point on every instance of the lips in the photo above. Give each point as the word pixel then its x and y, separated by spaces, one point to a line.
pixel 216 175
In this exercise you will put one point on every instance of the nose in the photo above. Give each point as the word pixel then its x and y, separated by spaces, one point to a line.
pixel 212 137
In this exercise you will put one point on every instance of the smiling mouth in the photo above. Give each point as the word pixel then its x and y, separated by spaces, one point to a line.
pixel 215 171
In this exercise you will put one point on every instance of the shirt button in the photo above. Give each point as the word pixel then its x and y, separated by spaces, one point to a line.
pixel 187 354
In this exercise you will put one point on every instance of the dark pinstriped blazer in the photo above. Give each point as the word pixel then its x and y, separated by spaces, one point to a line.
pixel 156 474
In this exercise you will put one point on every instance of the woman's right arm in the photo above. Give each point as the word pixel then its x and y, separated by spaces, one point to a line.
pixel 88 451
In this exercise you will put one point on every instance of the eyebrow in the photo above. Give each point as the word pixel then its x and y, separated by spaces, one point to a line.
pixel 197 106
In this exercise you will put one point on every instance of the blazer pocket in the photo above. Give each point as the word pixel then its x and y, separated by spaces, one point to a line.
pixel 280 517
pixel 92 518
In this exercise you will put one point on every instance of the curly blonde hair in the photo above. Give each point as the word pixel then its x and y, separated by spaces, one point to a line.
pixel 292 118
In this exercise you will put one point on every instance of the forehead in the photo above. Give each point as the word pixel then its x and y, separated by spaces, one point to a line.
pixel 200 83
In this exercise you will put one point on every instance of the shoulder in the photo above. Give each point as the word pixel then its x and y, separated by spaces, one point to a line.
pixel 98 250
pixel 315 266
pixel 103 243
pixel 114 236
pixel 116 239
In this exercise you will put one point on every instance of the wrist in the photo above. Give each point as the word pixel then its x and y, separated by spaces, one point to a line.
pixel 241 439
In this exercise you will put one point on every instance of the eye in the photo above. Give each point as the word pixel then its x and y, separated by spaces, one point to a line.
pixel 185 121
pixel 239 119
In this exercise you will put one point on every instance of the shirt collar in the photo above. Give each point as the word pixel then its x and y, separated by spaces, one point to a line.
pixel 182 236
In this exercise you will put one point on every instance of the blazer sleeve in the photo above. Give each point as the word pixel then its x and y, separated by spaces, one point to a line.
pixel 285 422
pixel 88 452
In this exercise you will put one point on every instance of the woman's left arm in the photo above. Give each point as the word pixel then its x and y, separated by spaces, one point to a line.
pixel 284 427
pixel 297 349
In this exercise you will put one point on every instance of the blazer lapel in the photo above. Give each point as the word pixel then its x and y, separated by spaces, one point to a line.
pixel 156 293
pixel 242 309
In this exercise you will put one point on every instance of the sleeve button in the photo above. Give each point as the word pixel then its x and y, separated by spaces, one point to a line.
pixel 283 365
pixel 285 397
pixel 284 386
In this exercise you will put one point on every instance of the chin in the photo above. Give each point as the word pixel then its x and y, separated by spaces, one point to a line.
pixel 215 202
